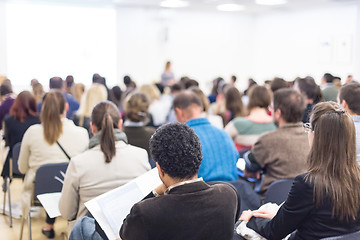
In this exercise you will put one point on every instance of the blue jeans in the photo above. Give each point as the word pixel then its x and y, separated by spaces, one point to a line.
pixel 84 229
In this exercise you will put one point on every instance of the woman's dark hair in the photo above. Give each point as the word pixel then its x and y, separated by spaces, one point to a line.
pixel 332 160
pixel 177 150
pixel 310 89
pixel 24 106
pixel 259 96
pixel 233 102
pixel 105 116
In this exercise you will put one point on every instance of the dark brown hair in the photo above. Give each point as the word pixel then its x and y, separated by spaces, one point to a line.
pixel 350 92
pixel 278 83
pixel 233 102
pixel 105 116
pixel 332 160
pixel 259 96
pixel 291 103
pixel 53 106
pixel 24 106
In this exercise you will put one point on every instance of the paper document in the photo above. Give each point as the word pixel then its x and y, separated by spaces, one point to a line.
pixel 50 202
pixel 111 208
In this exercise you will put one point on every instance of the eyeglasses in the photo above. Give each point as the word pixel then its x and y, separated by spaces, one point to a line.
pixel 307 127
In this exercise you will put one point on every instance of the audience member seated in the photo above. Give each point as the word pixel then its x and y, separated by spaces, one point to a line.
pixel 23 114
pixel 159 109
pixel 324 201
pixel 215 120
pixel 96 93
pixel 38 91
pixel 349 98
pixel 278 83
pixel 219 152
pixel 233 105
pixel 57 84
pixel 7 100
pixel 184 206
pixel 281 153
pixel 116 97
pixel 312 93
pixel 55 140
pixel 217 88
pixel 137 114
pixel 109 163
pixel 77 91
pixel 245 131
pixel 329 91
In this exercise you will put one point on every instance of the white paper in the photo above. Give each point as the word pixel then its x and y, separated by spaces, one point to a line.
pixel 111 208
pixel 50 202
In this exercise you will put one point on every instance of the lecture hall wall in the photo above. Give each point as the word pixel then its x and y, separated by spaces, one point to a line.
pixel 46 40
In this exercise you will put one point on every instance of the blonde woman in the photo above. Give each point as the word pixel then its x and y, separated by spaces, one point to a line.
pixel 96 93
pixel 40 145
pixel 159 107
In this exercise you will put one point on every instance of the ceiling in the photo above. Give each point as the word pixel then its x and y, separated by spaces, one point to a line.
pixel 205 5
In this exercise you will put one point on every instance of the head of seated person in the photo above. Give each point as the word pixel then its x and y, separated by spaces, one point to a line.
pixel 137 107
pixel 349 98
pixel 187 105
pixel 176 149
pixel 289 107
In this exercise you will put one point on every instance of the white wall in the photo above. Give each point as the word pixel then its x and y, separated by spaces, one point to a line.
pixel 54 40
pixel 291 44
pixel 48 40
pixel 202 45
pixel 2 37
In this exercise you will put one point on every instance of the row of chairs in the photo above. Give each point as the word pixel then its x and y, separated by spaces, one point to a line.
pixel 46 181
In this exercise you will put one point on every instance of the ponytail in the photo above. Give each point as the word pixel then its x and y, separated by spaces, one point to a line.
pixel 53 107
pixel 105 116
pixel 107 142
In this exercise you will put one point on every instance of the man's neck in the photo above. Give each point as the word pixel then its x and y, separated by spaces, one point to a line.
pixel 172 181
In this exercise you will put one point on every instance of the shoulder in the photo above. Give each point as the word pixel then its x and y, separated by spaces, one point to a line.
pixel 69 124
pixel 9 119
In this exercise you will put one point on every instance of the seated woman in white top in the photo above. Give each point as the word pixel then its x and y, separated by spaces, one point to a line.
pixel 109 163
pixel 39 146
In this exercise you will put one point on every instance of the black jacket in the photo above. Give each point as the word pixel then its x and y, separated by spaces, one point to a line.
pixel 191 211
pixel 299 213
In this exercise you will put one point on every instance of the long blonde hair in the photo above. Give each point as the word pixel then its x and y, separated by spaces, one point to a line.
pixel 96 93
pixel 332 160
pixel 52 108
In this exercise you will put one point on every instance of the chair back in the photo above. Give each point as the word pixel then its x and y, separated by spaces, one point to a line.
pixel 278 191
pixel 47 179
pixel 15 158
pixel 350 236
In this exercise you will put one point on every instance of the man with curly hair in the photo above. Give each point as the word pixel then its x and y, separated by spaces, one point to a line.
pixel 184 206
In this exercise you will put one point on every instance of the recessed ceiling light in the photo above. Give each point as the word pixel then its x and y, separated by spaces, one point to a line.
pixel 174 4
pixel 230 7
pixel 270 2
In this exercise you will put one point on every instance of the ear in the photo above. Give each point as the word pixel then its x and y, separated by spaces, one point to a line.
pixel 66 108
pixel 277 113
pixel 120 124
pixel 344 104
pixel 160 171
pixel 94 129
pixel 179 113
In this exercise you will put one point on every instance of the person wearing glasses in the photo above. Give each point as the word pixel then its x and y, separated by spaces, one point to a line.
pixel 324 202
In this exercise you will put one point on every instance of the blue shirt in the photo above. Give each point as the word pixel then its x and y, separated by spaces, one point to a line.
pixel 218 149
